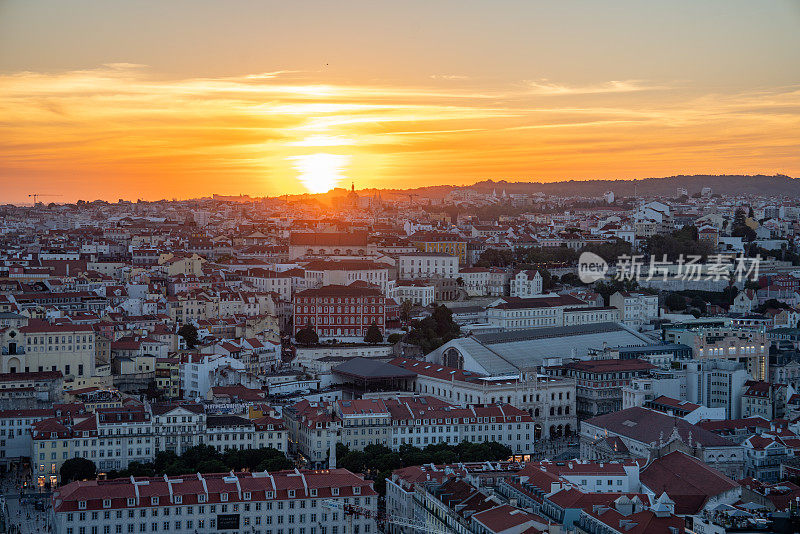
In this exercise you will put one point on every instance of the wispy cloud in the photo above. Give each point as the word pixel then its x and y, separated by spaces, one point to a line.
pixel 546 87
pixel 448 77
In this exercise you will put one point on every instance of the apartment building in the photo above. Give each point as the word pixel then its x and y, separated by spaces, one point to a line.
pixel 315 427
pixel 417 292
pixel 30 390
pixel 714 383
pixel 257 503
pixel 320 244
pixel 320 273
pixel 440 243
pixel 475 280
pixel 340 311
pixel 745 345
pixel 15 432
pixel 427 265
pixel 269 281
pixel 112 438
pixel 74 350
pixel 550 401
pixel 635 309
pixel 514 313
pixel 599 383
pixel 224 432
pixel 526 284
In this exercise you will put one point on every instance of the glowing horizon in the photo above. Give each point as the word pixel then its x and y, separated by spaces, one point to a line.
pixel 398 113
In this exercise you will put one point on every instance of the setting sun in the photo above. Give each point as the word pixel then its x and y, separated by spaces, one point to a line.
pixel 320 172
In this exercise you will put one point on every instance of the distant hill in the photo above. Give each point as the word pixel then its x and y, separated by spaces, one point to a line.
pixel 725 183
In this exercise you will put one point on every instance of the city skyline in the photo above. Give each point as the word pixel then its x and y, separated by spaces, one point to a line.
pixel 116 100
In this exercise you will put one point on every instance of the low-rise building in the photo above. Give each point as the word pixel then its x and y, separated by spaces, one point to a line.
pixel 636 309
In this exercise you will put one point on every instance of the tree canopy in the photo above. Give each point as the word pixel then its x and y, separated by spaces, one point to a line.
pixel 378 461
pixel 739 226
pixel 207 459
pixel 189 334
pixel 77 469
pixel 435 330
pixel 683 242
pixel 307 336
pixel 373 334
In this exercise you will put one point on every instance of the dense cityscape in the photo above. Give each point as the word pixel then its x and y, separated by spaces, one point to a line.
pixel 398 362
pixel 420 267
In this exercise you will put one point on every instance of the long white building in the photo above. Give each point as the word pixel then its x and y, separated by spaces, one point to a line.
pixel 257 503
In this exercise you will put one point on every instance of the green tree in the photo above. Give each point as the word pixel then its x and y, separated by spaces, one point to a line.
pixel 681 242
pixel 405 310
pixel 77 469
pixel 675 302
pixel 189 334
pixel 163 460
pixel 752 284
pixel 307 336
pixel 373 335
pixel 493 257
pixel 739 226
pixel 212 466
pixel 274 462
pixel 435 330
pixel 610 251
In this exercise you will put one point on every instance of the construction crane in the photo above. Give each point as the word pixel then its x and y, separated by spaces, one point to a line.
pixel 351 510
pixel 37 195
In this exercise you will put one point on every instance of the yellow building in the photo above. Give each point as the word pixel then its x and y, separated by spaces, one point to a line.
pixel 175 264
pixel 168 377
pixel 441 243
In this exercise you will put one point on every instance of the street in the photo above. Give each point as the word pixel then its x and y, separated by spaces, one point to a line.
pixel 19 511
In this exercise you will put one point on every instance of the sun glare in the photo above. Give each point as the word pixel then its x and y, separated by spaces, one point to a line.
pixel 320 173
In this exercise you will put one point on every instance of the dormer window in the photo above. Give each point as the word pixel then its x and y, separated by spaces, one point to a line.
pixel 335 491
pixel 247 495
pixel 81 505
pixel 106 503
pixel 131 501
pixel 178 499
pixel 154 500
pixel 356 490
pixel 314 492
pixel 201 498
pixel 270 495
pixel 223 497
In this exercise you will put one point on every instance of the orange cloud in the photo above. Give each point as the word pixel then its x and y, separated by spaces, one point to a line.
pixel 119 131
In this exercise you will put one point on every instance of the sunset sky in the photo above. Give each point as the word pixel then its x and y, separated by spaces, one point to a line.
pixel 170 98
